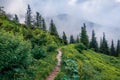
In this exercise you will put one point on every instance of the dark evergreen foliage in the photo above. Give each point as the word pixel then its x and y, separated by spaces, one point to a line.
pixel 118 48
pixel 28 17
pixel 84 37
pixel 112 49
pixel 43 25
pixel 38 20
pixel 2 11
pixel 78 39
pixel 53 30
pixel 93 42
pixel 64 38
pixel 104 45
pixel 72 40
pixel 16 19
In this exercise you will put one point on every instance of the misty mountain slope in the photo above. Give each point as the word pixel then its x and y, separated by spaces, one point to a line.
pixel 72 26
pixel 88 65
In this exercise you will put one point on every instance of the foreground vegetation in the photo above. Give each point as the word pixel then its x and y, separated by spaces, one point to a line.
pixel 87 65
pixel 25 54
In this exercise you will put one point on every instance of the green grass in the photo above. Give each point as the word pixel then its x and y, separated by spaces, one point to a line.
pixel 44 66
pixel 91 65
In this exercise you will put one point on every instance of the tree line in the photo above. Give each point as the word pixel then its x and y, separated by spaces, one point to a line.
pixel 39 22
pixel 93 43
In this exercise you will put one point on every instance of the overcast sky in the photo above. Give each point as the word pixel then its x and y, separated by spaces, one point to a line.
pixel 103 12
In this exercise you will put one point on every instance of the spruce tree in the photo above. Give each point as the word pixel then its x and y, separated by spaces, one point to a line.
pixel 16 19
pixel 38 20
pixel 72 39
pixel 43 24
pixel 104 46
pixel 112 49
pixel 100 47
pixel 64 38
pixel 118 48
pixel 84 37
pixel 93 42
pixel 28 18
pixel 78 39
pixel 53 30
pixel 1 10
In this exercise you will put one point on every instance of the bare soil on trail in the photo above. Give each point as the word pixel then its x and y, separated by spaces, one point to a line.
pixel 55 71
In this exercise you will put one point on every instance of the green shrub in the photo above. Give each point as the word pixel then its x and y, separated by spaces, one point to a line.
pixel 51 48
pixel 8 27
pixel 40 40
pixel 71 68
pixel 14 56
pixel 38 52
pixel 79 47
pixel 27 34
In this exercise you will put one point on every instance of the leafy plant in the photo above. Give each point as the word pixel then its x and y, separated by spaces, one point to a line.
pixel 79 47
pixel 14 56
pixel 38 52
pixel 71 68
pixel 51 48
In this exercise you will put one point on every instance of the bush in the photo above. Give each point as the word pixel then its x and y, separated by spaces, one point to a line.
pixel 71 68
pixel 14 56
pixel 40 40
pixel 51 48
pixel 27 34
pixel 79 47
pixel 38 52
pixel 9 27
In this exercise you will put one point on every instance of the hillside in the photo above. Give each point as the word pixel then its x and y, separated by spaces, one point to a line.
pixel 25 54
pixel 88 65
pixel 31 52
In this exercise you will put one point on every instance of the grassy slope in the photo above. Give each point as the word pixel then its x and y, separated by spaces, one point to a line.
pixel 91 65
pixel 42 67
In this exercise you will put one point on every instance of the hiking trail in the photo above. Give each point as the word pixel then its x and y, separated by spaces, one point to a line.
pixel 55 71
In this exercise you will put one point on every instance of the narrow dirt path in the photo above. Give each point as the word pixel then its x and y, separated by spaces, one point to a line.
pixel 54 73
